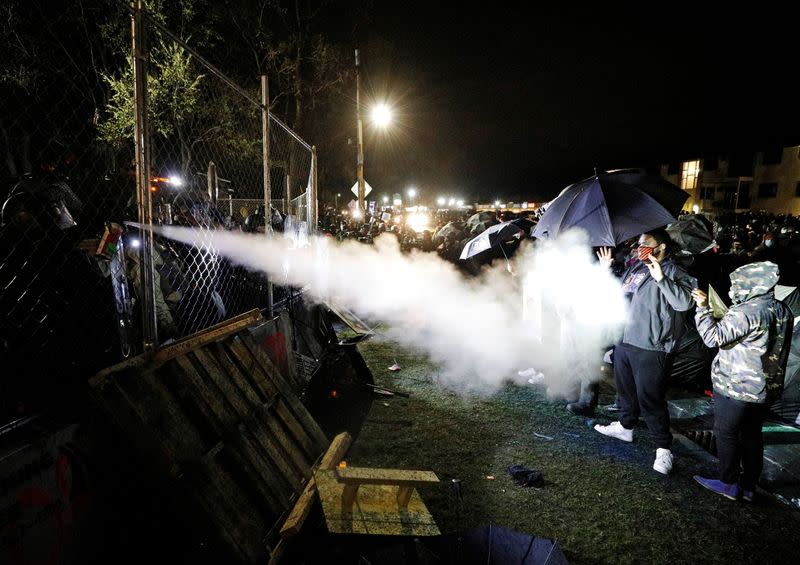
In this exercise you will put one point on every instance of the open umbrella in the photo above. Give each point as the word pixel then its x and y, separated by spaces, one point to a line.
pixel 480 221
pixel 491 237
pixel 693 233
pixel 447 229
pixel 524 223
pixel 493 545
pixel 612 207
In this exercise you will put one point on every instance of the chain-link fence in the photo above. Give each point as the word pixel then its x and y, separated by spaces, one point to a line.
pixel 64 194
pixel 86 147
pixel 207 155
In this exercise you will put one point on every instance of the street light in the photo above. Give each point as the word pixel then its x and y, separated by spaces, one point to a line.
pixel 440 201
pixel 412 192
pixel 381 115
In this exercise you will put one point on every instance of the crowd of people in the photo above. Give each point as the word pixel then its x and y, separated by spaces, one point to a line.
pixel 672 336
pixel 743 354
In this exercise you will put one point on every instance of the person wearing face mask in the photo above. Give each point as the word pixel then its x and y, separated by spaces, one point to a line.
pixel 753 337
pixel 660 294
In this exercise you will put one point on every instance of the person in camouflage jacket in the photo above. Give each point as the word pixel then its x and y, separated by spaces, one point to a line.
pixel 753 338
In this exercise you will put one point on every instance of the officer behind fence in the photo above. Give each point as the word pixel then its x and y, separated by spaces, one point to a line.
pixel 753 339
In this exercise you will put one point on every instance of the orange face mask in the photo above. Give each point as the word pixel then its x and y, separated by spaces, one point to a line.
pixel 644 252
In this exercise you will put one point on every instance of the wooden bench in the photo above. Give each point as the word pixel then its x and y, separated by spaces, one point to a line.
pixel 405 480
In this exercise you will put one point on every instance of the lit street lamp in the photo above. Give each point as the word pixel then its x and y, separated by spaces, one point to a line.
pixel 381 115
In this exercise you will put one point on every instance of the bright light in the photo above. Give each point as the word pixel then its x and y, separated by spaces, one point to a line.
pixel 381 115
pixel 451 201
pixel 419 222
pixel 135 243
pixel 385 199
pixel 440 201
pixel 397 202
pixel 460 203
pixel 412 192
pixel 496 203
pixel 176 181
pixel 695 208
pixel 357 213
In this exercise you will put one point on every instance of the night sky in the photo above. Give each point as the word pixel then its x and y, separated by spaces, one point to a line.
pixel 499 103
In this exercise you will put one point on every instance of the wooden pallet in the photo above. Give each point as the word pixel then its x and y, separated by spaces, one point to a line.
pixel 216 421
pixel 375 501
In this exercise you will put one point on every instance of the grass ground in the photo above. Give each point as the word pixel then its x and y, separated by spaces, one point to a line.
pixel 601 500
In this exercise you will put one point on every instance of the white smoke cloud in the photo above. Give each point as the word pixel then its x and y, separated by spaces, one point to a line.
pixel 556 312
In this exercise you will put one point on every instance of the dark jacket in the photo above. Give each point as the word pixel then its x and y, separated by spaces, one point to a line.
pixel 657 309
pixel 753 337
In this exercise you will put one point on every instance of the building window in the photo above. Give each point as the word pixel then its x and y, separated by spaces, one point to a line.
pixel 689 174
pixel 768 190
pixel 707 192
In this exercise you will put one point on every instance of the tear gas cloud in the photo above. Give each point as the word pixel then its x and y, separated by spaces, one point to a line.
pixel 557 313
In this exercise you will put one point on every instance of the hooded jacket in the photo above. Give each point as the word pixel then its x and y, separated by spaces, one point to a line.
pixel 753 336
pixel 656 318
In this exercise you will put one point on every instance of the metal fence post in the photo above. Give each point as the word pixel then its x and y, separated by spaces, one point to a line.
pixel 287 208
pixel 311 194
pixel 213 185
pixel 144 196
pixel 267 186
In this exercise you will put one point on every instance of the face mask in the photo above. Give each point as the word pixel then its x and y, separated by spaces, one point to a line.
pixel 644 252
pixel 769 242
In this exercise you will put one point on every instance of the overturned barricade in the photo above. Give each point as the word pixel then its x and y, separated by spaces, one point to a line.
pixel 221 430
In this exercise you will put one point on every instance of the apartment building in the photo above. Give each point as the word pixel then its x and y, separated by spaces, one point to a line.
pixel 767 180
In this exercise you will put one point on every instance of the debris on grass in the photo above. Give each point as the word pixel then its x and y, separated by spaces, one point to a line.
pixel 489 477
pixel 548 438
pixel 525 477
pixel 394 367
pixel 576 436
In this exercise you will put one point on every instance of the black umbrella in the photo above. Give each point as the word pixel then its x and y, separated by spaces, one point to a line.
pixel 524 223
pixel 693 233
pixel 613 207
pixel 492 237
pixel 493 545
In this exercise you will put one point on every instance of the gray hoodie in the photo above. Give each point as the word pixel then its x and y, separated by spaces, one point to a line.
pixel 657 316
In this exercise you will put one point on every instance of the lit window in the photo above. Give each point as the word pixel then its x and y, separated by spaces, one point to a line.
pixel 689 174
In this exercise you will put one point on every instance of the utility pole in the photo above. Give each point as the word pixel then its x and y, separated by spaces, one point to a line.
pixel 360 160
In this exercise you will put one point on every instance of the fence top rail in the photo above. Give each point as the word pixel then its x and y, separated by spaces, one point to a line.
pixel 219 74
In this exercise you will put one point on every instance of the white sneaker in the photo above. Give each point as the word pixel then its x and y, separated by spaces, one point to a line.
pixel 663 462
pixel 616 430
pixel 536 379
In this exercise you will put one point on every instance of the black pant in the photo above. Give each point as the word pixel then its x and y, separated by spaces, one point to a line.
pixel 641 377
pixel 737 427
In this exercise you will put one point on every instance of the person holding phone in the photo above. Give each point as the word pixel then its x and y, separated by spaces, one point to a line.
pixel 660 295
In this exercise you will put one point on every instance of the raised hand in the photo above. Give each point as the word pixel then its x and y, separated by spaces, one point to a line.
pixel 700 298
pixel 654 266
pixel 605 258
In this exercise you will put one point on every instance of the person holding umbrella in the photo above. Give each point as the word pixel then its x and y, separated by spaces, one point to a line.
pixel 660 294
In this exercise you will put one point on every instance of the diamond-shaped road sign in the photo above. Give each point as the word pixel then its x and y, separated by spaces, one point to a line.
pixel 367 189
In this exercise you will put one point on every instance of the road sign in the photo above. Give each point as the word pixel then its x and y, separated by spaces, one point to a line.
pixel 367 189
